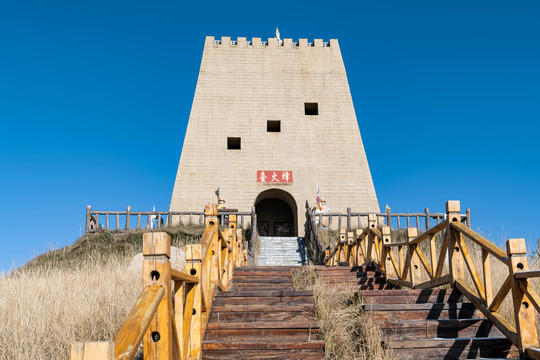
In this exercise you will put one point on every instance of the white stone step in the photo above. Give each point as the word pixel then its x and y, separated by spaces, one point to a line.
pixel 275 250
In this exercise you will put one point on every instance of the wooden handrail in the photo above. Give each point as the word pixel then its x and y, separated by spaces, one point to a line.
pixel 138 320
pixel 174 331
pixel 406 260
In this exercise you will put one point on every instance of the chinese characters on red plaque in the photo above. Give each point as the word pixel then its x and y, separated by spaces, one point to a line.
pixel 273 176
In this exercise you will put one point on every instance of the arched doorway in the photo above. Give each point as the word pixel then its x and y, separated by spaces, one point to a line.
pixel 276 213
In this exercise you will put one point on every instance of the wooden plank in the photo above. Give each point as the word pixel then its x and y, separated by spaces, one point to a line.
pixel 499 298
pixel 432 251
pixel 446 279
pixel 472 269
pixel 424 261
pixel 426 235
pixel 412 258
pixel 486 269
pixel 182 276
pixel 92 351
pixel 483 242
pixel 527 274
pixel 191 294
pixel 524 314
pixel 157 271
pixel 500 322
pixel 533 353
pixel 531 294
pixel 399 282
pixel 442 256
pixel 131 334
pixel 397 269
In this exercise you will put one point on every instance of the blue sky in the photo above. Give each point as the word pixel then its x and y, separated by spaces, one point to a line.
pixel 95 98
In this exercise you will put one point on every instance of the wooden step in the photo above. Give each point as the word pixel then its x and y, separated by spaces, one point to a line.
pixel 459 348
pixel 268 293
pixel 250 316
pixel 308 307
pixel 411 296
pixel 263 279
pixel 439 328
pixel 272 354
pixel 260 286
pixel 424 311
pixel 262 345
pixel 277 335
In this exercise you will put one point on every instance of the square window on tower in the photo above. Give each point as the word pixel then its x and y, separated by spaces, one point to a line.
pixel 311 108
pixel 233 143
pixel 273 126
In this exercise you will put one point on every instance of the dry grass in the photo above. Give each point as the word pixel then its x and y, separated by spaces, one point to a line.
pixel 82 292
pixel 348 331
pixel 45 309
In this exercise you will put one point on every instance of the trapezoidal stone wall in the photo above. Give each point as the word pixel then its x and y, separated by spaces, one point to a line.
pixel 243 85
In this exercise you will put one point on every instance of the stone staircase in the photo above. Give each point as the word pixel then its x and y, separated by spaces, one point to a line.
pixel 282 251
pixel 424 324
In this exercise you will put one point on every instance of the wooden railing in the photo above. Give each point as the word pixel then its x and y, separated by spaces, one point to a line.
pixel 174 329
pixel 136 220
pixel 349 220
pixel 447 260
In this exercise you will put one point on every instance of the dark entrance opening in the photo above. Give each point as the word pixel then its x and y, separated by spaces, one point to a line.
pixel 276 213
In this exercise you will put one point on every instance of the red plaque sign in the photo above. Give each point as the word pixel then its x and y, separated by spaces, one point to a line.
pixel 274 176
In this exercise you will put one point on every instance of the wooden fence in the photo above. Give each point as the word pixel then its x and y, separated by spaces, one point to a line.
pixel 136 220
pixel 349 220
pixel 174 329
pixel 450 262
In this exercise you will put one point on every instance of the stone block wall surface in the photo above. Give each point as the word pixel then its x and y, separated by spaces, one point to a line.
pixel 242 84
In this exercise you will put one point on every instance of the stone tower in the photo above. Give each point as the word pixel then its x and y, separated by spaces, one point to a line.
pixel 270 122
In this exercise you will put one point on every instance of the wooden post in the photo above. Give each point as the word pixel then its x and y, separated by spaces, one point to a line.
pixel 88 216
pixel 253 226
pixel 128 218
pixel 348 218
pixel 389 219
pixel 428 223
pixel 194 267
pixel 107 221
pixel 398 223
pixel 350 248
pixel 169 218
pixel 455 257
pixel 372 223
pixel 524 312
pixel 117 221
pixel 386 240
pixel 158 340
pixel 92 351
pixel 138 221
pixel 412 257
pixel 486 267
pixel 468 212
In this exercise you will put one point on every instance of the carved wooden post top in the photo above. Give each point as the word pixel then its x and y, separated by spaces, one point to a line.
pixel 156 243
pixel 453 206
pixel 516 246
pixel 193 253
pixel 210 210
pixel 412 233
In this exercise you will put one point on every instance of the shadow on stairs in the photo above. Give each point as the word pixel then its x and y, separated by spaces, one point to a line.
pixel 423 324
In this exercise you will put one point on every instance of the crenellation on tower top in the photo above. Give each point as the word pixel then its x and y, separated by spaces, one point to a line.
pixel 242 42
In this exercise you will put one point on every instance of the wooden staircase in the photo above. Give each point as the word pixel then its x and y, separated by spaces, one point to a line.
pixel 263 317
pixel 423 324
